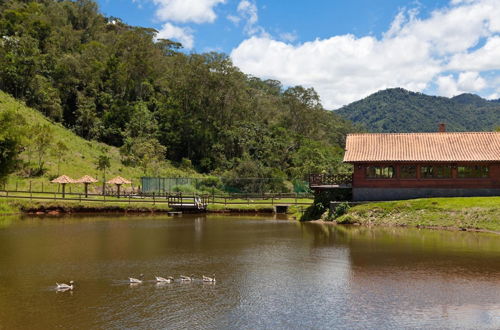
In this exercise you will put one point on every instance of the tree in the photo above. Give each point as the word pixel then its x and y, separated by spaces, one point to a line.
pixel 42 140
pixel 103 163
pixel 146 153
pixel 59 151
pixel 11 136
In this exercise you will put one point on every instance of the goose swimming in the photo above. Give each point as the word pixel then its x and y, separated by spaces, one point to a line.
pixel 209 279
pixel 135 280
pixel 64 286
pixel 169 279
pixel 187 278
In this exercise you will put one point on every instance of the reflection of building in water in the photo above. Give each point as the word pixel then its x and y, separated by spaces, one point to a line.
pixel 422 276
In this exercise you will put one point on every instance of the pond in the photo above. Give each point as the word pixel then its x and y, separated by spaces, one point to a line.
pixel 271 273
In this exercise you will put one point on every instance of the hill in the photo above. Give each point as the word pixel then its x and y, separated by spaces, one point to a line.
pixel 399 110
pixel 80 158
pixel 119 84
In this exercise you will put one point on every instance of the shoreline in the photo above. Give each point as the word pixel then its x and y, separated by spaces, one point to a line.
pixel 21 207
pixel 447 228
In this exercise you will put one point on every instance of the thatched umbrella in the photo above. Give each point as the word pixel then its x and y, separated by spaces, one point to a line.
pixel 63 180
pixel 118 181
pixel 86 180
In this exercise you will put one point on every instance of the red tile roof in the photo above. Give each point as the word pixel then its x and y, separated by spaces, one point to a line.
pixel 439 147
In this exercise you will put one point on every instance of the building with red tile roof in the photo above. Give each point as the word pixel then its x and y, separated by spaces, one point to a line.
pixel 390 166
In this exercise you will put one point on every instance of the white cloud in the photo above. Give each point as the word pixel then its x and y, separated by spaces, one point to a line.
pixel 288 36
pixel 184 35
pixel 196 11
pixel 485 58
pixel 247 11
pixel 494 96
pixel 414 53
pixel 233 18
pixel 466 82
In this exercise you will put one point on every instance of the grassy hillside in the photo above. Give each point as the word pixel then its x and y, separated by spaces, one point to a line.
pixel 399 110
pixel 460 212
pixel 78 161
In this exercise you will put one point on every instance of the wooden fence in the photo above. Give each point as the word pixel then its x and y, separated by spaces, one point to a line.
pixel 164 198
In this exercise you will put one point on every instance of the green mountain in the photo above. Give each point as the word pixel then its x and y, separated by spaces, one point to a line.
pixel 399 110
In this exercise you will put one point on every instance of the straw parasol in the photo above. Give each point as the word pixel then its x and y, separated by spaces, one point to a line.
pixel 86 180
pixel 118 181
pixel 63 180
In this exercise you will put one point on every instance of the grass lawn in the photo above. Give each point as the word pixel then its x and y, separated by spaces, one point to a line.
pixel 457 212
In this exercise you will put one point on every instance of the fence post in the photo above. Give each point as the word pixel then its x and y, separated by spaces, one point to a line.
pixel 16 185
pixel 30 186
pixel 295 198
pixel 225 202
pixel 272 199
pixel 42 186
pixel 154 200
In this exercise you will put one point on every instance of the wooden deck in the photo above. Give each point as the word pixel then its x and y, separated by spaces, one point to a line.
pixel 190 204
pixel 330 181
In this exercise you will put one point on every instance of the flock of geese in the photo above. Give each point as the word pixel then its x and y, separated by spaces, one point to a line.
pixel 132 280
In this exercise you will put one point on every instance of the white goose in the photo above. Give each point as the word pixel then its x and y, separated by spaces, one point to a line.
pixel 187 278
pixel 169 279
pixel 64 286
pixel 209 279
pixel 136 280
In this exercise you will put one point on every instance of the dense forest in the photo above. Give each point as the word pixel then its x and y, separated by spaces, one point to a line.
pixel 115 83
pixel 399 110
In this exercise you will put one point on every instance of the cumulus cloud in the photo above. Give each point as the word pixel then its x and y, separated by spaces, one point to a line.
pixel 170 31
pixel 484 58
pixel 466 82
pixel 414 53
pixel 183 11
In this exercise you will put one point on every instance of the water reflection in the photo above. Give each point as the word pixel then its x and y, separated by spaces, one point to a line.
pixel 271 273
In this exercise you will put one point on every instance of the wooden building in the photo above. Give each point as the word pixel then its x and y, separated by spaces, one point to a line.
pixel 394 166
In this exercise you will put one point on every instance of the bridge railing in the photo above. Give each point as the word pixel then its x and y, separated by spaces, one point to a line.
pixel 329 179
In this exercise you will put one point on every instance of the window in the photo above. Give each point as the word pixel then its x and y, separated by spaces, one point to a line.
pixel 380 172
pixel 473 171
pixel 408 172
pixel 435 172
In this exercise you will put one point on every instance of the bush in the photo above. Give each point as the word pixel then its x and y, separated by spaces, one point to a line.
pixel 322 201
pixel 185 188
pixel 340 210
pixel 313 212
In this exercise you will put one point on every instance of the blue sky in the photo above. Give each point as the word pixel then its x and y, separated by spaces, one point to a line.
pixel 346 50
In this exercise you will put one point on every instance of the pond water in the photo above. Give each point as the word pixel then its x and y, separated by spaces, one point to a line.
pixel 271 273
